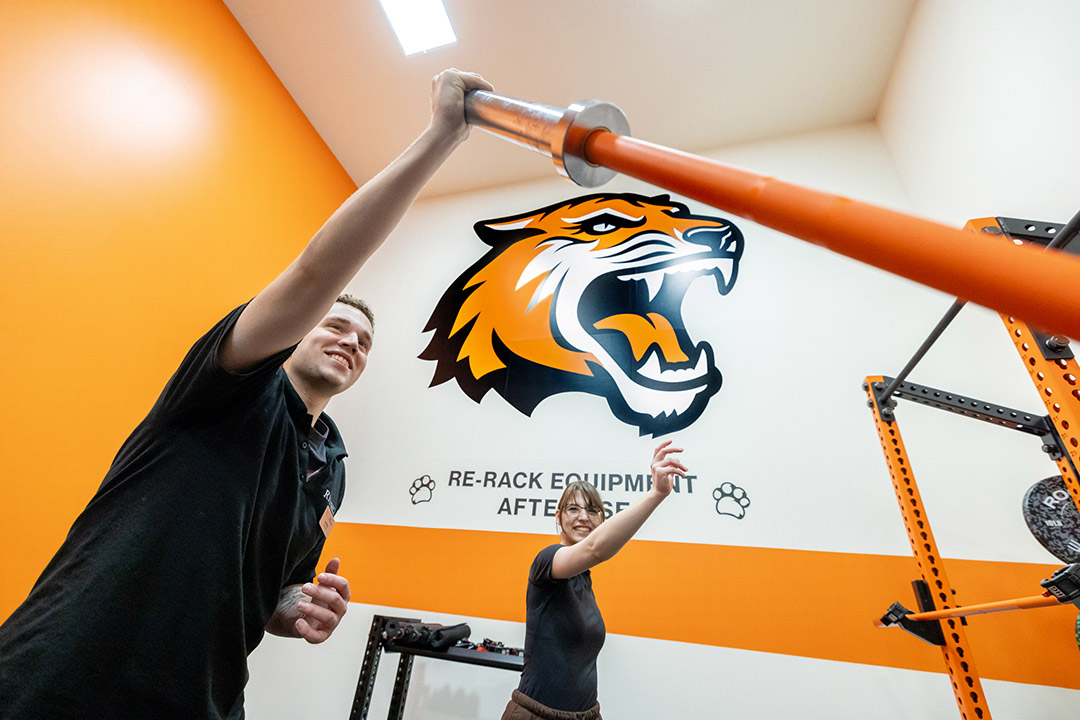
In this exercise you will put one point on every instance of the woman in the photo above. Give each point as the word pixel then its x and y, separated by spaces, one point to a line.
pixel 563 627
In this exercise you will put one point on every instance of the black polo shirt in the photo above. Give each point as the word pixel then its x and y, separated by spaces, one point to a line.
pixel 564 633
pixel 168 577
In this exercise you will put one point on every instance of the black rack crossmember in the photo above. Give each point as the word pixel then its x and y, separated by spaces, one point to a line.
pixel 1038 425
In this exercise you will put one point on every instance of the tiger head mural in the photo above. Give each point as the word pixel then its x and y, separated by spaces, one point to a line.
pixel 586 295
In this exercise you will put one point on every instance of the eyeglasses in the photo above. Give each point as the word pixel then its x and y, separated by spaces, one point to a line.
pixel 575 509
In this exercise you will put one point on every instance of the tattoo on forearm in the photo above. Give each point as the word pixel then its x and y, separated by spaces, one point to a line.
pixel 286 612
pixel 290 596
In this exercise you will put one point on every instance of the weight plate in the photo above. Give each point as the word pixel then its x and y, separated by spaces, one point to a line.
pixel 1053 519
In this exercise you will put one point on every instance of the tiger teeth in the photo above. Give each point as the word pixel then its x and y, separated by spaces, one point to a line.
pixel 654 281
pixel 651 369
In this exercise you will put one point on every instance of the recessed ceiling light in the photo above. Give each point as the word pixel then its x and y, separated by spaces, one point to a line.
pixel 420 25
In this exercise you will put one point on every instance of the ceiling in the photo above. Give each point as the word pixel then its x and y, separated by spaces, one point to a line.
pixel 694 75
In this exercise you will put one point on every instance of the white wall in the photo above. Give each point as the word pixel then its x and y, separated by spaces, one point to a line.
pixel 981 110
pixel 979 121
pixel 790 341
pixel 794 339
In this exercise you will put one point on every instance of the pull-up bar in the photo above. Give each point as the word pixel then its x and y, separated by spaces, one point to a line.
pixel 584 140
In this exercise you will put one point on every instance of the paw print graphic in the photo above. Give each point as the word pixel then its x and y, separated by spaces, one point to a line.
pixel 421 489
pixel 731 500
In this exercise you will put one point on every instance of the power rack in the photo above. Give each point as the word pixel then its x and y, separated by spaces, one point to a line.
pixel 1053 368
pixel 411 638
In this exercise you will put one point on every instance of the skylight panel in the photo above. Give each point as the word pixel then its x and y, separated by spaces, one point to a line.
pixel 420 25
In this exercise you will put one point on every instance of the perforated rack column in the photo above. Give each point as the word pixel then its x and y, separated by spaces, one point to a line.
pixel 1047 358
pixel 956 652
pixel 381 638
pixel 365 684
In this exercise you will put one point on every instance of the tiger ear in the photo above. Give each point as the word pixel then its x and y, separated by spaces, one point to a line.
pixel 675 205
pixel 505 231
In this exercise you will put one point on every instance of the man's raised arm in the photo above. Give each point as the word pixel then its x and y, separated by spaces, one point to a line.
pixel 297 300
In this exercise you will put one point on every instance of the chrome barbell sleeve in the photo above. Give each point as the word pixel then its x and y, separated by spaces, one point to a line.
pixel 558 133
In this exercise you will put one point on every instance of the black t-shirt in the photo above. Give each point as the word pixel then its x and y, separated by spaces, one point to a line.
pixel 563 635
pixel 168 577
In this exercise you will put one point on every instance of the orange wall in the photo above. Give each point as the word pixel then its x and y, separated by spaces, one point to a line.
pixel 154 173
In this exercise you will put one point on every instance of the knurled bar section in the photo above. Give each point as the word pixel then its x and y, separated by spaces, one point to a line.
pixel 1059 388
pixel 956 653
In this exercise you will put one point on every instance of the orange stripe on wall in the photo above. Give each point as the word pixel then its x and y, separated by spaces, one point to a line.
pixel 792 602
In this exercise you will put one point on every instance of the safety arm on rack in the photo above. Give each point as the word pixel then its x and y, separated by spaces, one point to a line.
pixel 898 615
pixel 1061 588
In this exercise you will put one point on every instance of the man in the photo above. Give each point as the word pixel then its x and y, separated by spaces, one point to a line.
pixel 208 526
